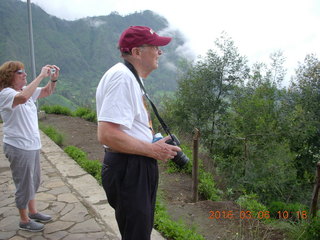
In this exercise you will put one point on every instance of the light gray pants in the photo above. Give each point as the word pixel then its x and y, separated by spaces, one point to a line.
pixel 25 169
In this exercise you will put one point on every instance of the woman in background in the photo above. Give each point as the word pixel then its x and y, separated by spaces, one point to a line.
pixel 21 135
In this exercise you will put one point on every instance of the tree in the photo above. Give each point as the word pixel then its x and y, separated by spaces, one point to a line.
pixel 304 134
pixel 204 91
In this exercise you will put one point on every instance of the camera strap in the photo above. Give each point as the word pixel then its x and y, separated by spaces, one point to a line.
pixel 155 110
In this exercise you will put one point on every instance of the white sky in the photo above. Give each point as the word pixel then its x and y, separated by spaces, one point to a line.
pixel 258 27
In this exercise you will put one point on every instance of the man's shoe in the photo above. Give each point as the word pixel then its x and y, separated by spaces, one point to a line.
pixel 40 217
pixel 31 226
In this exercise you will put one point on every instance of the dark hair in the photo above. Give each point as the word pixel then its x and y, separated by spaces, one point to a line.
pixel 7 71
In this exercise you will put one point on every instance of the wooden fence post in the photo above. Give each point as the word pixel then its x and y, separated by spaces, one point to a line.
pixel 195 167
pixel 313 208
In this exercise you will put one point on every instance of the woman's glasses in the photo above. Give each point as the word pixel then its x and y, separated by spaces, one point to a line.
pixel 21 71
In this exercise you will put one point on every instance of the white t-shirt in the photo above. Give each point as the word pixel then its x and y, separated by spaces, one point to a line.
pixel 119 100
pixel 20 124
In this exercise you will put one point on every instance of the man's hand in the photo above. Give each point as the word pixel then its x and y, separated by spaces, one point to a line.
pixel 163 151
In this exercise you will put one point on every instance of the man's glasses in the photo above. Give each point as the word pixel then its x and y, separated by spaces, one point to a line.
pixel 21 71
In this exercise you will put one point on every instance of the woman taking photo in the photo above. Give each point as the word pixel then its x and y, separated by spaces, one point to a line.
pixel 21 138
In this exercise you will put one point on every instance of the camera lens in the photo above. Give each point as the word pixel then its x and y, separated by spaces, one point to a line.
pixel 180 159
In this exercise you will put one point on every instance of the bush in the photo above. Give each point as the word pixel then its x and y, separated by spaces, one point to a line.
pixel 207 186
pixel 290 211
pixel 81 111
pixel 56 109
pixel 53 134
pixel 250 203
pixel 305 230
pixel 171 229
pixel 93 167
pixel 86 114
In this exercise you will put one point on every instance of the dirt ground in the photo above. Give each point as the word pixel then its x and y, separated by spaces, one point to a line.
pixel 214 220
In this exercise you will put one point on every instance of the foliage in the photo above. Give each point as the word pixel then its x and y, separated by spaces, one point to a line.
pixel 172 229
pixel 250 202
pixel 84 49
pixel 294 211
pixel 53 134
pixel 81 112
pixel 57 109
pixel 86 114
pixel 306 230
pixel 305 117
pixel 93 167
pixel 263 139
pixel 207 186
pixel 204 90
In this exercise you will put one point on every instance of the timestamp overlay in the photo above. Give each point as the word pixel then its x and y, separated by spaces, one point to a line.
pixel 259 215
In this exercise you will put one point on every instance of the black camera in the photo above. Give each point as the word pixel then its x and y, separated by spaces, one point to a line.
pixel 180 159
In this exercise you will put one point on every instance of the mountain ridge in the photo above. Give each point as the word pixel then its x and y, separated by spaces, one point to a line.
pixel 84 49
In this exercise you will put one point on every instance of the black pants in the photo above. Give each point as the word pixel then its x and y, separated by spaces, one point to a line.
pixel 130 183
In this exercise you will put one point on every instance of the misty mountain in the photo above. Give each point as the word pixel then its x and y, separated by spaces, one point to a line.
pixel 84 49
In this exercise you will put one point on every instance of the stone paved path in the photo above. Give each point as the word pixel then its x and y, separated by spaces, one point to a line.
pixel 75 200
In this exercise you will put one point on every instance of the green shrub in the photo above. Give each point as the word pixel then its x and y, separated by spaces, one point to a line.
pixel 91 117
pixel 171 229
pixel 86 114
pixel 305 230
pixel 207 186
pixel 81 111
pixel 250 203
pixel 290 211
pixel 75 153
pixel 57 109
pixel 92 167
pixel 52 134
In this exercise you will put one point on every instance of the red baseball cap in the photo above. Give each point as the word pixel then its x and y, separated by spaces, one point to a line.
pixel 136 36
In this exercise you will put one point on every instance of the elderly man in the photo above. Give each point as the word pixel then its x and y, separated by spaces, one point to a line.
pixel 130 169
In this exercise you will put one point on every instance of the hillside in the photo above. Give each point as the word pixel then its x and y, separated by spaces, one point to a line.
pixel 84 49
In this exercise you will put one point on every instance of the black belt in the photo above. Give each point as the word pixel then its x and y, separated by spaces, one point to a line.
pixel 110 150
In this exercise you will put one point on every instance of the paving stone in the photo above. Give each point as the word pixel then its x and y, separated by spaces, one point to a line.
pixel 9 223
pixel 57 206
pixel 67 208
pixel 88 226
pixel 59 190
pixel 67 197
pixel 77 214
pixel 7 202
pixel 17 238
pixel 57 226
pixel 29 235
pixel 91 236
pixel 39 238
pixel 41 205
pixel 9 211
pixel 54 183
pixel 7 235
pixel 45 197
pixel 57 235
